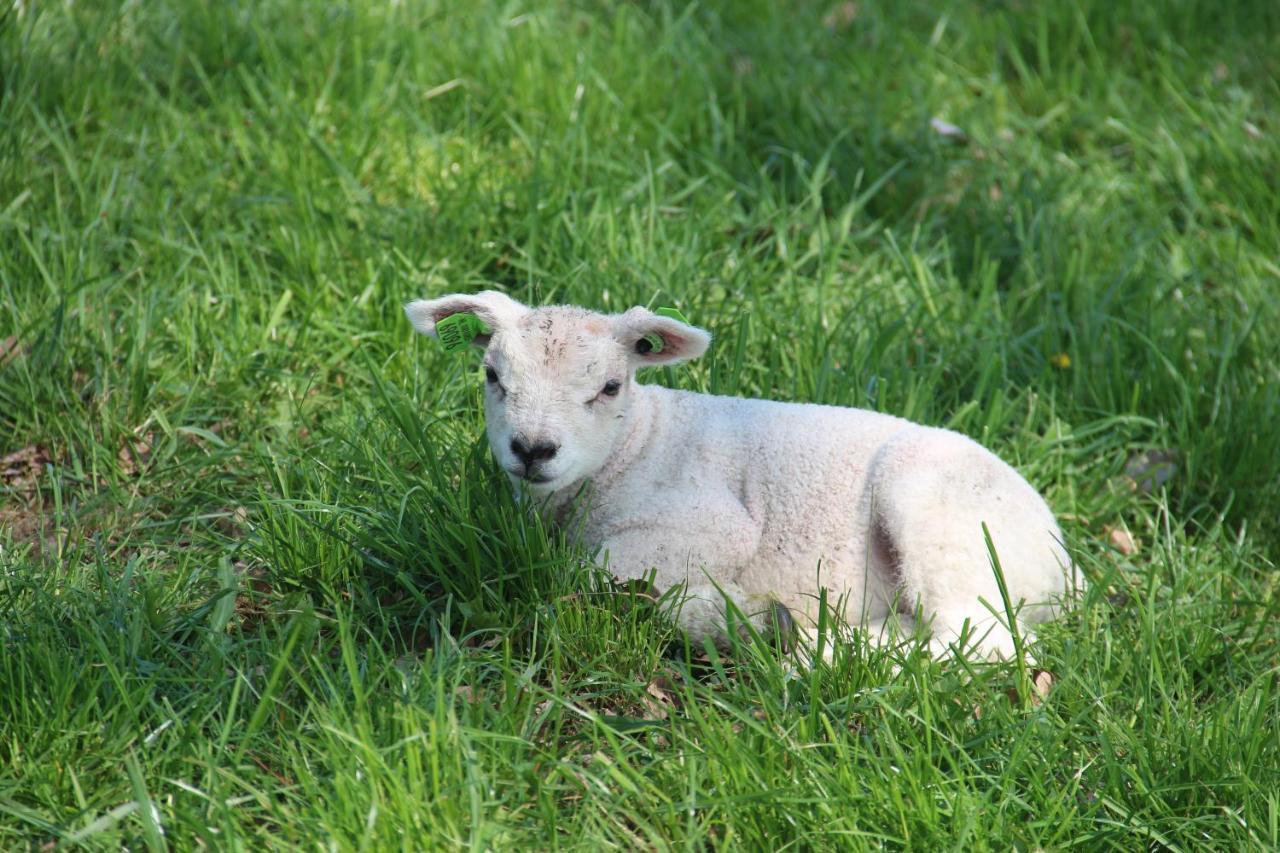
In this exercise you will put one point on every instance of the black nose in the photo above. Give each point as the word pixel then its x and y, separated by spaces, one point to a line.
pixel 531 454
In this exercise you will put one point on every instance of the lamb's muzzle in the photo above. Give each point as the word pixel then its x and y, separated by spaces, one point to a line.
pixel 758 502
pixel 532 455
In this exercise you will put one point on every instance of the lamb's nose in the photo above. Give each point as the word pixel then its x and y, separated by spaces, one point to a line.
pixel 530 454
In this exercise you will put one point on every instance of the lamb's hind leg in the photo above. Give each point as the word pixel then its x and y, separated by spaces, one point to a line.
pixel 932 493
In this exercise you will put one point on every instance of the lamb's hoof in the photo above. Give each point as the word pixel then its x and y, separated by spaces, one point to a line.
pixel 638 587
pixel 779 628
pixel 784 627
pixel 637 590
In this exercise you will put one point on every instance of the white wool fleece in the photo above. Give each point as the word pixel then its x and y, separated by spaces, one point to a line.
pixel 753 500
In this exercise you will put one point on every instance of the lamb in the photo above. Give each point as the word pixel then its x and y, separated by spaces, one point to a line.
pixel 753 505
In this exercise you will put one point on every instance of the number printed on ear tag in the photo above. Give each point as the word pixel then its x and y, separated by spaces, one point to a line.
pixel 457 331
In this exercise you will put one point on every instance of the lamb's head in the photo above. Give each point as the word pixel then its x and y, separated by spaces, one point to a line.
pixel 559 380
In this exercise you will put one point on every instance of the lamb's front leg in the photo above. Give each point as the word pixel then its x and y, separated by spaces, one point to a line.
pixel 706 575
pixel 705 615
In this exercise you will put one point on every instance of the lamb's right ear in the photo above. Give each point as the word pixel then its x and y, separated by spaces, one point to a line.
pixel 495 310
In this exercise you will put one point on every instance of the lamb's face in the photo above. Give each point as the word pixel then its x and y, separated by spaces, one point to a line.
pixel 558 380
pixel 557 391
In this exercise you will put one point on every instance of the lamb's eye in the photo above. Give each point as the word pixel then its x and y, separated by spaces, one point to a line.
pixel 491 375
pixel 611 388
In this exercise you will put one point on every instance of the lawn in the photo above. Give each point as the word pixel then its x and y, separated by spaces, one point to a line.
pixel 262 586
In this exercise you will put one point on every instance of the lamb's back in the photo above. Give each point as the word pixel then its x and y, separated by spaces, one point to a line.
pixel 783 459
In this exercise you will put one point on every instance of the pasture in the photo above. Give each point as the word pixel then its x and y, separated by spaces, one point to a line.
pixel 262 586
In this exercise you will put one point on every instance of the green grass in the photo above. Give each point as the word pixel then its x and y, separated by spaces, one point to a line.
pixel 262 587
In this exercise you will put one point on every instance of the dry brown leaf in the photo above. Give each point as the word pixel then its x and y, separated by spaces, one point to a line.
pixel 841 16
pixel 1121 539
pixel 656 701
pixel 9 350
pixel 20 469
pixel 465 693
pixel 232 522
pixel 135 453
pixel 28 524
pixel 20 461
pixel 1041 684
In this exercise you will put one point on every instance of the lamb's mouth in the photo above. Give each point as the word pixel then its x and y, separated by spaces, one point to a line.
pixel 534 477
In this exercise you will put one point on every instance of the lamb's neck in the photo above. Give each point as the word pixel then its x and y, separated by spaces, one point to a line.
pixel 638 431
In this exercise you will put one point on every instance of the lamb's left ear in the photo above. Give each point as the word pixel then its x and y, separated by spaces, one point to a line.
pixel 653 339
pixel 495 310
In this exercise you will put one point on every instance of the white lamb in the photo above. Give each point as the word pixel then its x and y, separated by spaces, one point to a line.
pixel 759 502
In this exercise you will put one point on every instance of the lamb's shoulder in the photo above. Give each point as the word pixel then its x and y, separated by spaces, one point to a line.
pixel 673 521
pixel 660 494
pixel 683 480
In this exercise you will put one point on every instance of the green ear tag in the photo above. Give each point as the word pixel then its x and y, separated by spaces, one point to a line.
pixel 457 331
pixel 655 340
pixel 671 313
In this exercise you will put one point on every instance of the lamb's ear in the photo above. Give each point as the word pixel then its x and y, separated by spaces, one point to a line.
pixel 653 339
pixel 495 310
